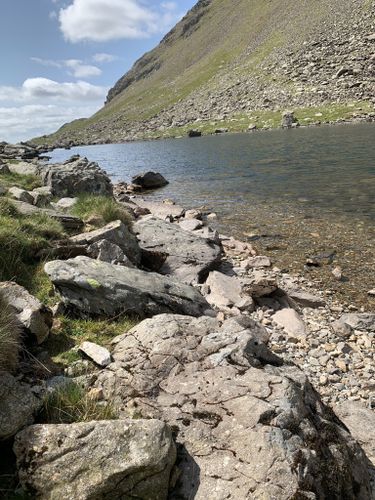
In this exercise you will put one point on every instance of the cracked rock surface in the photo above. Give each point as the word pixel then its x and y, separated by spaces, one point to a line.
pixel 112 460
pixel 246 425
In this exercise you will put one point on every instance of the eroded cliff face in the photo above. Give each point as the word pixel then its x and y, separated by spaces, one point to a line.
pixel 243 61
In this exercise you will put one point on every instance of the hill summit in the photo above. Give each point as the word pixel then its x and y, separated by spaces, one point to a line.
pixel 239 64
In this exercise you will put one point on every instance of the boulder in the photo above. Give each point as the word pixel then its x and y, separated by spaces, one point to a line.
pixel 159 209
pixel 226 291
pixel 35 317
pixel 256 262
pixel 292 323
pixel 359 321
pixel 194 133
pixel 23 168
pixel 42 196
pixel 246 425
pixel 115 233
pixel 105 460
pixel 172 251
pixel 361 423
pixel 306 299
pixel 259 284
pixel 75 176
pixel 149 180
pixel 191 224
pixel 69 222
pixel 18 405
pixel 108 252
pixel 4 169
pixel 21 195
pixel 100 355
pixel 289 120
pixel 65 203
pixel 93 288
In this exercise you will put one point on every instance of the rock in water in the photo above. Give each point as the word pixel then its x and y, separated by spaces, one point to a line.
pixel 246 428
pixel 149 180
pixel 75 176
pixel 35 317
pixel 170 250
pixel 93 288
pixel 105 460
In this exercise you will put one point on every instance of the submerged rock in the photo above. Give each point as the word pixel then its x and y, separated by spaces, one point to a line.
pixel 93 288
pixel 105 460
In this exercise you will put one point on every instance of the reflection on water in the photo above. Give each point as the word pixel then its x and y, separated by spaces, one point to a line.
pixel 328 168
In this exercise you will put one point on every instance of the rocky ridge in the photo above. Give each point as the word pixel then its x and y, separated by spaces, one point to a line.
pixel 222 370
pixel 269 60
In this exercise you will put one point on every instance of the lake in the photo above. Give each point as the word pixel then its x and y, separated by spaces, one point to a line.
pixel 291 192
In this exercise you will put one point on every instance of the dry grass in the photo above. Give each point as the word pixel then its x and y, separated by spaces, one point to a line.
pixel 10 337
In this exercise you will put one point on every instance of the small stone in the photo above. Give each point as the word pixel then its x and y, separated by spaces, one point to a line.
pixel 337 273
pixel 100 355
pixel 292 323
pixel 371 292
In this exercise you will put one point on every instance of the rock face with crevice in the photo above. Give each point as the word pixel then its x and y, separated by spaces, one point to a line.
pixel 105 460
pixel 92 288
pixel 247 426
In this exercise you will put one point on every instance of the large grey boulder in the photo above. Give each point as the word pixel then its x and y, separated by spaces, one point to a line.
pixel 105 460
pixel 18 405
pixel 116 233
pixel 74 176
pixel 93 288
pixel 21 194
pixel 149 180
pixel 246 426
pixel 35 317
pixel 174 252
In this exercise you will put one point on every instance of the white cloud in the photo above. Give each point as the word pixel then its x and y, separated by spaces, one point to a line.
pixel 80 70
pixel 104 58
pixel 76 67
pixel 104 20
pixel 42 88
pixel 24 122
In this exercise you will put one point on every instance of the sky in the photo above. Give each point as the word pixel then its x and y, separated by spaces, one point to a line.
pixel 58 58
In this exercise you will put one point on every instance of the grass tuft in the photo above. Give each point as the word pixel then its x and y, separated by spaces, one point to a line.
pixel 71 403
pixel 24 181
pixel 102 209
pixel 10 337
pixel 21 238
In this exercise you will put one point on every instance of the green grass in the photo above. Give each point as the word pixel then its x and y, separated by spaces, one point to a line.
pixel 28 182
pixel 10 337
pixel 71 403
pixel 21 238
pixel 69 333
pixel 102 210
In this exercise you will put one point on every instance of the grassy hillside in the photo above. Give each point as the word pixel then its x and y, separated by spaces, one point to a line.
pixel 230 58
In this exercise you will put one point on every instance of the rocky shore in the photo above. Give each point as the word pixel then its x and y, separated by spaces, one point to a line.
pixel 220 375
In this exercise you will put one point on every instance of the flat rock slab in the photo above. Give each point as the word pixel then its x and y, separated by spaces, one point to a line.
pixel 226 291
pixel 159 209
pixel 105 460
pixel 244 426
pixel 190 224
pixel 23 168
pixel 18 405
pixel 117 233
pixel 100 355
pixel 186 256
pixel 306 299
pixel 292 323
pixel 69 222
pixel 93 288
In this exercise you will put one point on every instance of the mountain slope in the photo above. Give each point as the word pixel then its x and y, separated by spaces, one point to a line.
pixel 236 62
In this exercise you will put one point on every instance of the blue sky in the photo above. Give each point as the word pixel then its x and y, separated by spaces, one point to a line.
pixel 58 58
